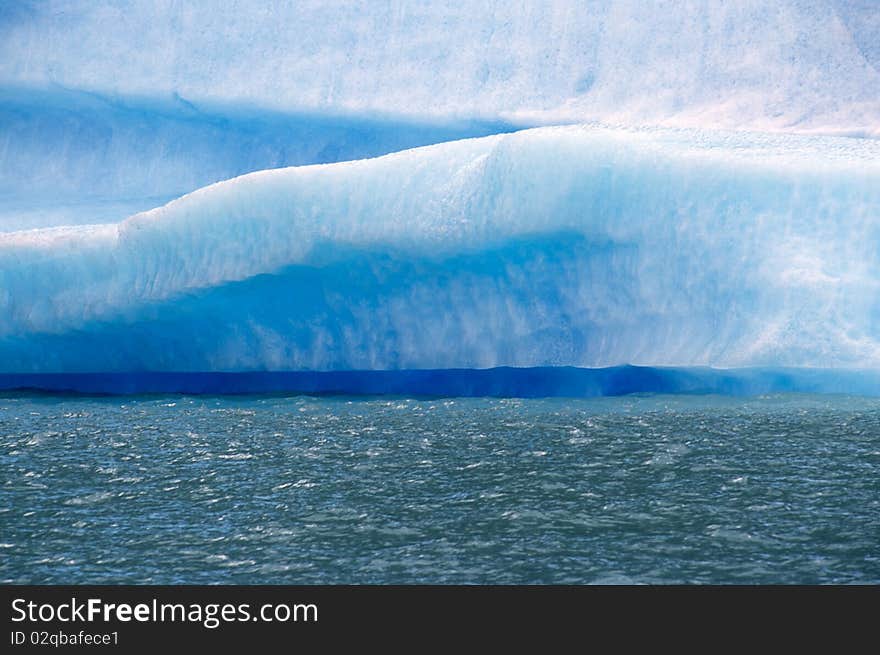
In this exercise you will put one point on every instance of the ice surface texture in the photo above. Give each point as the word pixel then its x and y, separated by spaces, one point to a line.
pixel 670 245
pixel 70 157
pixel 808 64
pixel 107 109
pixel 554 246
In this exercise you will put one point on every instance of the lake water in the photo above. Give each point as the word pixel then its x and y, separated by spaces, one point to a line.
pixel 290 490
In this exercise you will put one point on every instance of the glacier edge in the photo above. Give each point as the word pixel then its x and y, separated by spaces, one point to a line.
pixel 564 246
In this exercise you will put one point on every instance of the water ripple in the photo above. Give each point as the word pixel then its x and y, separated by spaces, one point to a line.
pixel 266 489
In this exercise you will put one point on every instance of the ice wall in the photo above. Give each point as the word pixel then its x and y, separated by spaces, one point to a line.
pixel 555 246
pixel 70 157
pixel 111 108
pixel 786 64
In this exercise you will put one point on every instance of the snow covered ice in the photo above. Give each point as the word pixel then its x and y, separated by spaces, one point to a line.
pixel 718 204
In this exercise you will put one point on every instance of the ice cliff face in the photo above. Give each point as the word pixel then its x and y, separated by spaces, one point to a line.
pixel 71 157
pixel 718 205
pixel 802 64
pixel 554 246
pixel 111 108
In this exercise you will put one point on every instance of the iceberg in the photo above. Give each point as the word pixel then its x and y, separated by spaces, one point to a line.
pixel 341 189
pixel 788 64
pixel 577 246
pixel 72 157
pixel 109 110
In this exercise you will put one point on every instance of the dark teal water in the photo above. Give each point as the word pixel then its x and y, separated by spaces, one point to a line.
pixel 262 489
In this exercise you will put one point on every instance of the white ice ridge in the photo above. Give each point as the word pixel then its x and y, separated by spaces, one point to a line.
pixel 785 64
pixel 566 245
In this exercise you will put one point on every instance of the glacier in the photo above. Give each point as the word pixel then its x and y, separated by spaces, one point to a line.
pixel 494 198
pixel 558 246
pixel 71 157
pixel 110 109
pixel 810 65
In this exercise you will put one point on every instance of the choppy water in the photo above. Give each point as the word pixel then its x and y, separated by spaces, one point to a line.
pixel 266 489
